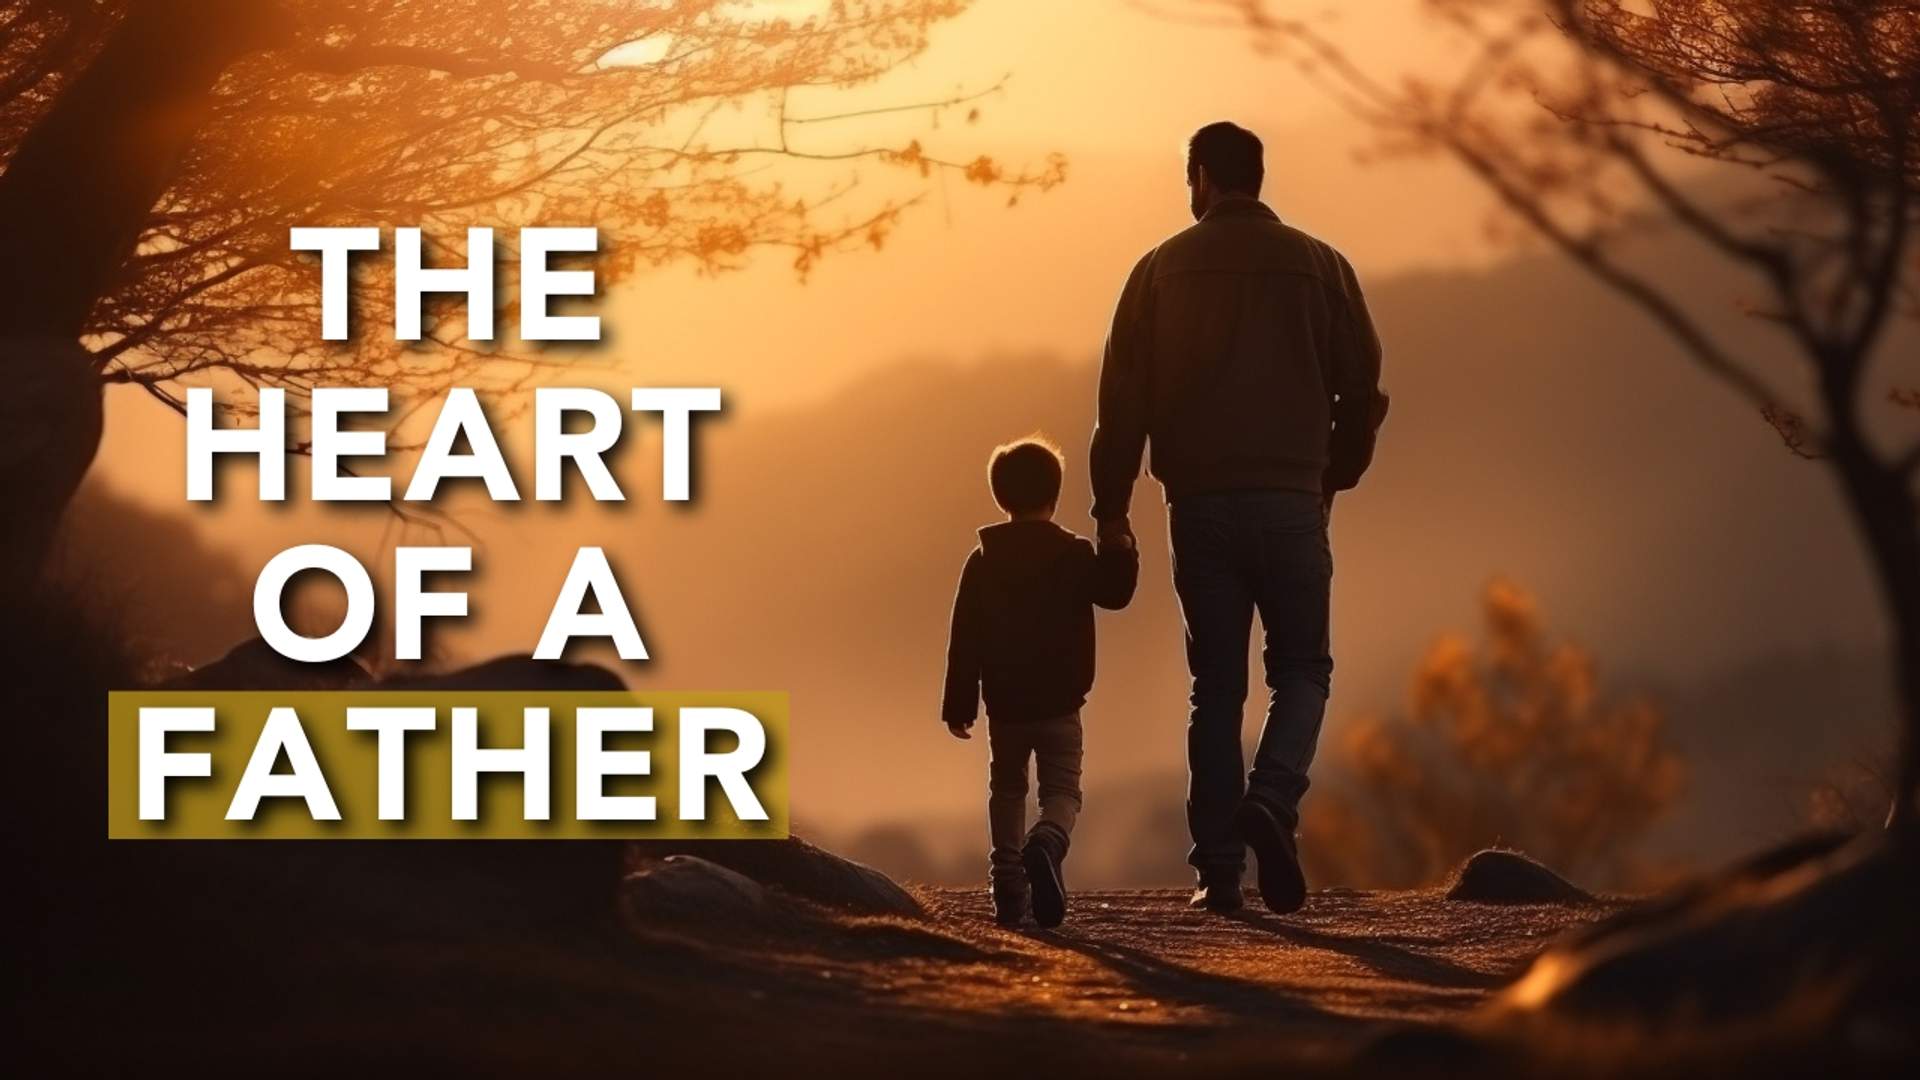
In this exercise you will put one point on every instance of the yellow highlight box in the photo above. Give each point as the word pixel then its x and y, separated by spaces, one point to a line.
pixel 698 771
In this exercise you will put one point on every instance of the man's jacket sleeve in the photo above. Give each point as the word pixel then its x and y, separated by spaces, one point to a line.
pixel 960 704
pixel 1116 572
pixel 1120 430
pixel 1358 406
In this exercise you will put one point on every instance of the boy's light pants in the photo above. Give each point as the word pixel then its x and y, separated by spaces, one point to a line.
pixel 1055 747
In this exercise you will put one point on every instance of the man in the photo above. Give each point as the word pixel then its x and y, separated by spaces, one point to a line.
pixel 1243 352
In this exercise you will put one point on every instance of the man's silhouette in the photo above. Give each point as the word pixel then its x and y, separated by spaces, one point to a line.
pixel 1243 352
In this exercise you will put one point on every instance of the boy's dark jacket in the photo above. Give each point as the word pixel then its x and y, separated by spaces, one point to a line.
pixel 1023 621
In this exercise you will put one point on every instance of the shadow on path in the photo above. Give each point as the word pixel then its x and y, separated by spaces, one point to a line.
pixel 1376 954
pixel 1159 979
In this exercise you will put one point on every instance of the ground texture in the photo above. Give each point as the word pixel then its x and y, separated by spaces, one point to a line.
pixel 1134 983
pixel 1132 980
pixel 1145 960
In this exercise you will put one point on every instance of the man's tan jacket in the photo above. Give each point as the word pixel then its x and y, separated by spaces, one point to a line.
pixel 1243 352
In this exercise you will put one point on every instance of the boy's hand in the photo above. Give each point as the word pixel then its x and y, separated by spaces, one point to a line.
pixel 960 731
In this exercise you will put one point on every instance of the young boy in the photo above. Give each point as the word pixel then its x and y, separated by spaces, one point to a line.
pixel 1023 636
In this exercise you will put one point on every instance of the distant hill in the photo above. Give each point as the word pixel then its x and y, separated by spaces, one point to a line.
pixel 1540 430
pixel 152 578
pixel 1758 739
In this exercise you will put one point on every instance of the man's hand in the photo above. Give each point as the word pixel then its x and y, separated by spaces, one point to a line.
pixel 1118 531
pixel 961 731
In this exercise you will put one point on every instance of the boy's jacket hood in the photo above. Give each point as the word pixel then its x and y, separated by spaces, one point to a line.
pixel 1026 549
pixel 1024 537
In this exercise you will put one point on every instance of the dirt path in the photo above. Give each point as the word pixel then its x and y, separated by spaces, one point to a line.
pixel 1135 979
pixel 1145 958
pixel 1135 983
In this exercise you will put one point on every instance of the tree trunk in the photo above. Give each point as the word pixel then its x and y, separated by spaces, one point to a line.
pixel 1888 516
pixel 78 190
pixel 73 201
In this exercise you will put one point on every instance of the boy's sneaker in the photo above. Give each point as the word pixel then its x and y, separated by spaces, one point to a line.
pixel 1218 892
pixel 1009 904
pixel 1282 885
pixel 1046 849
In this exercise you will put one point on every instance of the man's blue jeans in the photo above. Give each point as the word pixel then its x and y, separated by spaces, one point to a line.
pixel 1235 553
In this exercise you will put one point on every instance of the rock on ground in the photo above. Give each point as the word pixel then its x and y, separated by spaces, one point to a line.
pixel 685 889
pixel 254 665
pixel 512 672
pixel 796 868
pixel 1495 876
pixel 1812 945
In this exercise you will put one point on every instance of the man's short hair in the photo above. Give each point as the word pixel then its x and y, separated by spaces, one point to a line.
pixel 1025 475
pixel 1232 156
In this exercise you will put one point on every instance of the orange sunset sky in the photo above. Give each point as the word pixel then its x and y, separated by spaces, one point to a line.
pixel 1115 88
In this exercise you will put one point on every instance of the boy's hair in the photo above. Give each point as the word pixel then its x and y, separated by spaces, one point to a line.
pixel 1232 157
pixel 1025 475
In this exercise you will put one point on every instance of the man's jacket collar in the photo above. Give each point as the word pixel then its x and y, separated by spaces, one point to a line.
pixel 1239 206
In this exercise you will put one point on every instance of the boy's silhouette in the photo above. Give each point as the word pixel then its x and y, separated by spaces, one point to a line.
pixel 1023 638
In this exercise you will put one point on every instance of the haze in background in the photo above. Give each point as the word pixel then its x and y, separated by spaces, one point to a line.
pixel 1540 430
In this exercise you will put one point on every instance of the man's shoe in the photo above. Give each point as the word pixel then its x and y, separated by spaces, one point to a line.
pixel 1046 849
pixel 1009 905
pixel 1282 885
pixel 1218 893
